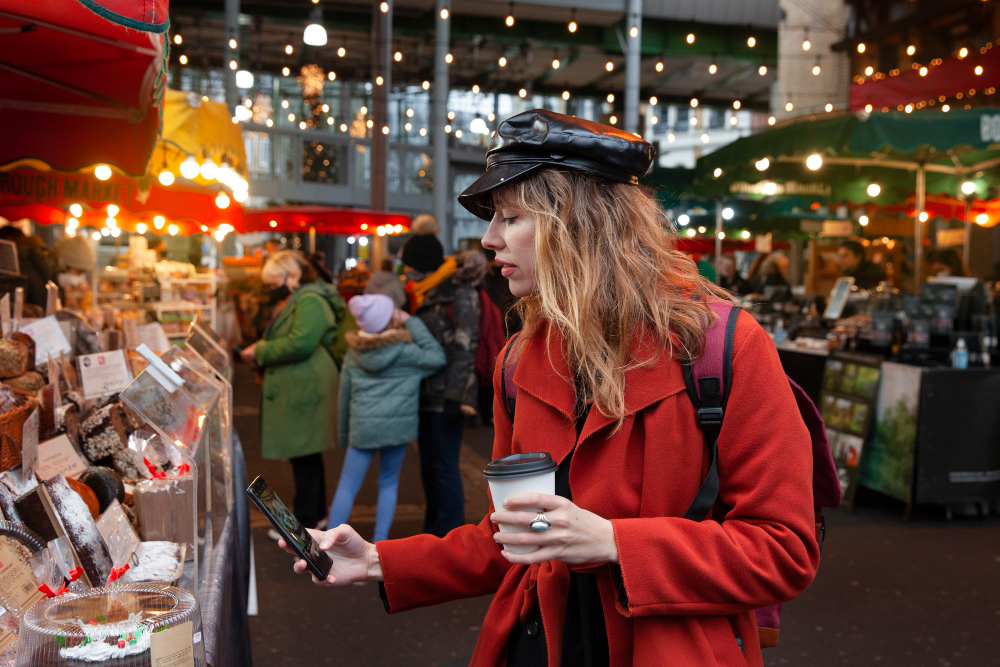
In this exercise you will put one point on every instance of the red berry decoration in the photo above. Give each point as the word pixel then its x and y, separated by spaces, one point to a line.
pixel 121 643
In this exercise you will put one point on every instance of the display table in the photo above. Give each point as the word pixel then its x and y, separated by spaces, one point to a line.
pixel 223 595
pixel 936 440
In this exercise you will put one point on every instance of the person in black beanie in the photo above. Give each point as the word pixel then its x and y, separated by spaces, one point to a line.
pixel 443 294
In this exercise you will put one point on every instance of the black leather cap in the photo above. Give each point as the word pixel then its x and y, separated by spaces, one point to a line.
pixel 540 138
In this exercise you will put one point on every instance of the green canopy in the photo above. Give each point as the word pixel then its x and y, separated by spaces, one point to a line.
pixel 905 154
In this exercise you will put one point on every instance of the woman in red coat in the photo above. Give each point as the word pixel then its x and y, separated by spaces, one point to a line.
pixel 611 311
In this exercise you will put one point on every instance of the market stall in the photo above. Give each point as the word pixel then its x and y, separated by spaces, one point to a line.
pixel 119 470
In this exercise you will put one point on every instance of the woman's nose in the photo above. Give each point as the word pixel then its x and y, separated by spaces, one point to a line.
pixel 491 239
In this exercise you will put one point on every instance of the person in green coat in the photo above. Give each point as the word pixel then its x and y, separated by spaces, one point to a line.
pixel 296 355
pixel 379 397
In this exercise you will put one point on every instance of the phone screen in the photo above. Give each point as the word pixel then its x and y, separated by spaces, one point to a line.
pixel 286 523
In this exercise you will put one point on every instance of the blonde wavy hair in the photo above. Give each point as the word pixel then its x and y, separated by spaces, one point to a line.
pixel 608 268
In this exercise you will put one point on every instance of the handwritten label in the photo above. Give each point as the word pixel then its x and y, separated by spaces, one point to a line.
pixel 58 457
pixel 153 336
pixel 17 584
pixel 172 647
pixel 29 445
pixel 104 373
pixel 5 314
pixel 49 339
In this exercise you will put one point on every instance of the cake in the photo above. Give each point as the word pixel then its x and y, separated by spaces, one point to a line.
pixel 106 484
pixel 99 439
pixel 107 627
pixel 158 561
pixel 81 530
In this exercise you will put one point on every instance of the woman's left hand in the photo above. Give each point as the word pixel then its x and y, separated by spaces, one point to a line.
pixel 249 354
pixel 575 536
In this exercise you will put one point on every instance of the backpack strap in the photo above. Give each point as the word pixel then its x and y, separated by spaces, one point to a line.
pixel 708 381
pixel 508 390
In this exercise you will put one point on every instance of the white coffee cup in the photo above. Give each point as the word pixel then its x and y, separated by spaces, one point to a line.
pixel 530 472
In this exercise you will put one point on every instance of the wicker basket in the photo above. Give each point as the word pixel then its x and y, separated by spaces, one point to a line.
pixel 12 430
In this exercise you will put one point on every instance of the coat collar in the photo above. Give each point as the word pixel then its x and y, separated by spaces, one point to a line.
pixel 286 309
pixel 363 342
pixel 544 372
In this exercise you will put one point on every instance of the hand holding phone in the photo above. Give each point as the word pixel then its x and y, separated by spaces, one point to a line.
pixel 291 529
pixel 353 558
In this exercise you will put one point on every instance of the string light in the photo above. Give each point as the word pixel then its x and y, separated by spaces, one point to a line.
pixel 869 70
pixel 285 71
pixel 398 56
pixel 828 107
pixel 806 45
pixel 751 41
pixel 763 70
pixel 712 69
pixel 444 14
pixel 178 39
pixel 232 43
pixel 343 52
pixel 771 120
pixel 962 52
pixel 789 106
pixel 522 93
pixel 510 17
pixel 425 85
pixel 613 120
pixel 654 100
pixel 863 221
pixel 232 64
pixel 502 62
pixel 694 102
pixel 861 47
pixel 923 71
pixel 659 66
pixel 289 49
pixel 555 63
pixel 166 177
pixel 565 95
pixel 448 58
pixel 868 108
pixel 736 104
pixel 690 38
pixel 611 98
pixel 634 32
pixel 572 26
pixel 609 66
pixel 102 172
pixel 978 70
pixel 816 70
pixel 384 7
pixel 183 59
pixel 874 189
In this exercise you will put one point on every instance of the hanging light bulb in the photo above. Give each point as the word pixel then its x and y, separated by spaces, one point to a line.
pixel 111 223
pixel 968 187
pixel 874 189
pixel 315 33
pixel 209 170
pixel 816 70
pixel 244 79
pixel 76 210
pixel 814 161
pixel 158 222
pixel 102 172
pixel 112 210
pixel 72 223
pixel 222 201
pixel 172 230
pixel 115 232
pixel 762 70
pixel 140 227
pixel 105 231
pixel 712 69
pixel 510 17
pixel 806 45
pixel 189 168
pixel 166 177
pixel 751 42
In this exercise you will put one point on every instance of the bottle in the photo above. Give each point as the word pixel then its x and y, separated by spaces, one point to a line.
pixel 780 335
pixel 960 355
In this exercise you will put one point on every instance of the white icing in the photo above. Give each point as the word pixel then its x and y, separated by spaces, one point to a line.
pixel 158 561
pixel 98 649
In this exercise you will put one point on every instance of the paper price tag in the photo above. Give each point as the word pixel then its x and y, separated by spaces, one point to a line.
pixel 29 445
pixel 104 373
pixel 58 457
pixel 49 339
pixel 153 336
pixel 172 647
pixel 5 314
pixel 17 583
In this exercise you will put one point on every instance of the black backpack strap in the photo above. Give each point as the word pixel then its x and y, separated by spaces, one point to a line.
pixel 709 395
pixel 509 401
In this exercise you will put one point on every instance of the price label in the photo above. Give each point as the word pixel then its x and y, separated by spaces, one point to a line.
pixel 58 457
pixel 104 373
pixel 17 583
pixel 153 336
pixel 29 445
pixel 172 647
pixel 49 339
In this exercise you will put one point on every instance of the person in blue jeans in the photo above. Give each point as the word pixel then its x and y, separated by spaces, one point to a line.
pixel 379 396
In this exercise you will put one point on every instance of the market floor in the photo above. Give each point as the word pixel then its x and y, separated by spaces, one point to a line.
pixel 890 593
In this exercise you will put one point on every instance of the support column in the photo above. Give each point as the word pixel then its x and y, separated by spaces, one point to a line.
pixel 381 67
pixel 718 238
pixel 232 8
pixel 968 228
pixel 632 64
pixel 439 118
pixel 918 227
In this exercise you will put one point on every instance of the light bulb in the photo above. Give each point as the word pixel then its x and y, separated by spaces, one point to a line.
pixel 166 177
pixel 874 189
pixel 314 35
pixel 158 222
pixel 861 47
pixel 751 42
pixel 183 60
pixel 76 210
pixel 728 213
pixel 502 62
pixel 555 63
pixel 363 240
pixel 222 201
pixel 982 219
pixel 115 232
pixel 717 172
pixel 690 38
pixel 208 170
pixel 814 161
pixel 189 168
pixel 654 100
pixel 102 172
pixel 509 21
pixel 341 52
pixel 806 45
pixel 105 231
pixel 172 230
pixel 140 228
pixel 609 65
pixel 659 66
pixel 72 223
pixel 572 26
pixel 828 107
pixel 736 104
pixel 863 221
pixel 113 210
pixel 762 70
pixel 968 187
pixel 770 188
pixel 96 236
pixel 444 14
pixel 910 50
pixel 111 222
pixel 712 69
pixel 816 70
pixel 244 79
pixel 762 164
pixel 694 102
pixel 565 95
pixel 869 70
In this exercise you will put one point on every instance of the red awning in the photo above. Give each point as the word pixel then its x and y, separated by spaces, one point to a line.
pixel 77 90
pixel 950 78
pixel 46 197
pixel 325 219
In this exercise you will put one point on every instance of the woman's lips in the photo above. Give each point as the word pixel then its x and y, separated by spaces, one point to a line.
pixel 507 270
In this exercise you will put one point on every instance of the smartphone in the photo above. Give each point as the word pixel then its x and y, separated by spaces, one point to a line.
pixel 290 528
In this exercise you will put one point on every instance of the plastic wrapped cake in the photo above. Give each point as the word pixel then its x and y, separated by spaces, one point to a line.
pixel 125 626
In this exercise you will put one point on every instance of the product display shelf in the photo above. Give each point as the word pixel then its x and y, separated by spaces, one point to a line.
pixel 197 294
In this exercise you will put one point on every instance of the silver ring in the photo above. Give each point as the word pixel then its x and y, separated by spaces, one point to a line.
pixel 540 523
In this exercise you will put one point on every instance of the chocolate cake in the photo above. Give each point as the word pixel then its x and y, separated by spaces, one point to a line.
pixel 81 530
pixel 99 438
pixel 106 484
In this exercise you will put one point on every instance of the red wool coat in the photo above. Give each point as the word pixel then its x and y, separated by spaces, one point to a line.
pixel 691 586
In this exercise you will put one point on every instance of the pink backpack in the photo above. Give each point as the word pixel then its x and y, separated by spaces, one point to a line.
pixel 708 383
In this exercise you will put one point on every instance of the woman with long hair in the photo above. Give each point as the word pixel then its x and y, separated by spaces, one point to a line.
pixel 295 355
pixel 611 313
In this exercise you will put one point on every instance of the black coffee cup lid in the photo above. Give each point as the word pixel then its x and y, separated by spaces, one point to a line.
pixel 520 465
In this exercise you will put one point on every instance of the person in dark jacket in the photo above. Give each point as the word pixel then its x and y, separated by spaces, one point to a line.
pixel 445 298
pixel 379 393
pixel 853 262
pixel 388 283
pixel 38 263
pixel 730 279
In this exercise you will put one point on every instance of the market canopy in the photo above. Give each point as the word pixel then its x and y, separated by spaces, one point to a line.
pixel 324 219
pixel 878 160
pixel 77 90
